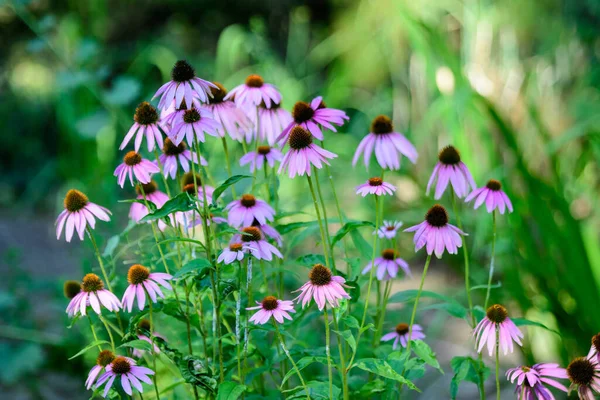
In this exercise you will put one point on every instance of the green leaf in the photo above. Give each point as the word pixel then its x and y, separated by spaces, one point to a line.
pixel 230 391
pixel 182 202
pixel 287 228
pixel 89 346
pixel 467 369
pixel 111 246
pixel 228 182
pixel 317 389
pixel 349 338
pixel 138 344
pixel 197 267
pixel 351 322
pixel 311 259
pixel 452 306
pixel 364 248
pixel 525 322
pixel 194 371
pixel 424 352
pixel 227 286
pixel 349 227
pixel 382 368
pixel 355 266
pixel 303 363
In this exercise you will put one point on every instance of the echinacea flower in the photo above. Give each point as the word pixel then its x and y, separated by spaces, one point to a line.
pixel 191 125
pixel 322 286
pixel 496 322
pixel 93 294
pixel 152 195
pixel 71 289
pixel 450 170
pixel 231 118
pixel 146 123
pixel 244 211
pixel 253 92
pixel 389 230
pixel 401 335
pixel 79 212
pixel 105 357
pixel 190 187
pixel 143 329
pixel 272 307
pixel 375 186
pixel 129 373
pixel 492 195
pixel 271 121
pixel 173 155
pixel 387 265
pixel 531 381
pixel 184 85
pixel 584 374
pixel 234 252
pixel 310 116
pixel 263 155
pixel 255 243
pixel 594 349
pixel 386 143
pixel 303 153
pixel 142 282
pixel 269 232
pixel 437 233
pixel 134 165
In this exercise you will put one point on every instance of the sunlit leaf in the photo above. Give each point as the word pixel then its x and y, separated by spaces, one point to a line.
pixel 88 347
pixel 180 203
pixel 228 182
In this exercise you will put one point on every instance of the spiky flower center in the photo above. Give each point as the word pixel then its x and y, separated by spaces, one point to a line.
pixel 145 114
pixel 319 275
pixel 493 185
pixel 449 155
pixel 269 303
pixel 120 366
pixel 382 125
pixel 235 247
pixel 437 216
pixel 170 149
pixel 146 188
pixel 218 93
pixel 71 289
pixel 137 274
pixel 190 189
pixel 390 228
pixel 254 81
pixel 75 200
pixel 264 150
pixel 375 181
pixel 182 71
pixel 302 112
pixel 92 283
pixel 190 116
pixel 251 234
pixel 581 371
pixel 144 325
pixel 299 138
pixel 497 313
pixel 132 158
pixel 188 178
pixel 248 200
pixel 389 254
pixel 402 328
pixel 596 342
pixel 105 357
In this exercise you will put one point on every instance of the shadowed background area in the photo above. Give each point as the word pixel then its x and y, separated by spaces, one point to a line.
pixel 512 84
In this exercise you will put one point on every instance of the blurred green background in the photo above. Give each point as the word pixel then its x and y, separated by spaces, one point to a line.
pixel 512 84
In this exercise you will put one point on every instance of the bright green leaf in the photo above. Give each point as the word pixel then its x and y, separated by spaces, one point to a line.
pixel 230 391
pixel 88 347
pixel 228 182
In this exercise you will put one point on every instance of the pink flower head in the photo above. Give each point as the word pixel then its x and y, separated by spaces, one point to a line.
pixel 322 286
pixel 146 124
pixel 153 195
pixel 389 230
pixel 437 233
pixel 400 334
pixel 303 153
pixel 493 196
pixel 92 294
pixel 235 252
pixel 496 320
pixel 142 282
pixel 450 169
pixel 272 307
pixel 134 165
pixel 269 232
pixel 129 373
pixel 189 186
pixel 584 374
pixel 183 86
pixel 230 117
pixel 595 348
pixel 387 145
pixel 530 381
pixel 105 357
pixel 244 211
pixel 255 243
pixel 253 92
pixel 143 328
pixel 192 124
pixel 263 155
pixel 387 265
pixel 310 116
pixel 79 212
pixel 375 186
pixel 173 155
pixel 271 121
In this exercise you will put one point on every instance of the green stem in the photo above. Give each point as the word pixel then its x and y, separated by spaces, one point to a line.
pixel 328 352
pixel 342 358
pixel 321 228
pixel 227 163
pixel 326 224
pixel 152 346
pixel 489 285
pixel 112 341
pixel 94 332
pixel 497 362
pixel 289 356
pixel 414 311
pixel 386 296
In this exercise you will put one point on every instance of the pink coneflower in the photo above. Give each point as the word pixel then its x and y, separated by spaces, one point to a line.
pixel 143 327
pixel 71 289
pixel 450 169
pixel 231 118
pixel 146 124
pixel 530 381
pixel 303 152
pixel 244 211
pixel 269 232
pixel 253 238
pixel 190 188
pixel 310 116
pixel 437 233
pixel 153 195
pixel 130 374
pixel 79 212
pixel 134 164
pixel 584 374
pixel 173 155
pixel 389 230
pixel 105 357
pixel 387 265
pixel 235 252
pixel 271 121
pixel 263 155
pixel 272 307
pixel 142 282
pixel 191 125
pixel 93 294
pixel 322 286
pixel 184 85
pixel 387 145
pixel 496 319
pixel 253 92
pixel 375 186
pixel 492 195
pixel 401 334
pixel 594 349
